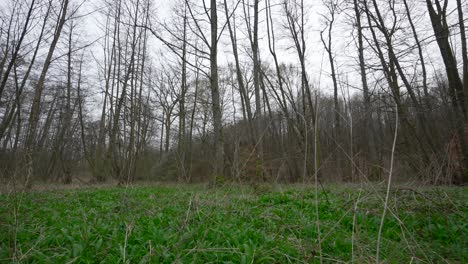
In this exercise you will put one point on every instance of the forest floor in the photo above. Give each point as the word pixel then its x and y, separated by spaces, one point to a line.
pixel 233 224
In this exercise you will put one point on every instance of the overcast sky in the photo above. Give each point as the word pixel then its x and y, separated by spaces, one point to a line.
pixel 344 48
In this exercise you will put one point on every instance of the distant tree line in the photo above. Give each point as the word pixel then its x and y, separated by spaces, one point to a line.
pixel 207 94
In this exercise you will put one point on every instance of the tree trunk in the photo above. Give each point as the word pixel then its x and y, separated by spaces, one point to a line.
pixel 215 96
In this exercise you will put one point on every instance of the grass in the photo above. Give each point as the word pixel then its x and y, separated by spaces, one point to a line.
pixel 196 224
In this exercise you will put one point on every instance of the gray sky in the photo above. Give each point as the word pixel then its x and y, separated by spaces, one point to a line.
pixel 344 48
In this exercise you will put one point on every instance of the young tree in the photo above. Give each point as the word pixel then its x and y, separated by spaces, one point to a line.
pixel 332 6
pixel 212 44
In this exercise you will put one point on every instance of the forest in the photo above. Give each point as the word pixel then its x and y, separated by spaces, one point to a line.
pixel 247 91
pixel 114 113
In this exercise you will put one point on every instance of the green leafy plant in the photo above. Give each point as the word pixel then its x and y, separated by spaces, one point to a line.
pixel 230 224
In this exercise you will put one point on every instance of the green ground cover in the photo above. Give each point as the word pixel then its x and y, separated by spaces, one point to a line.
pixel 232 224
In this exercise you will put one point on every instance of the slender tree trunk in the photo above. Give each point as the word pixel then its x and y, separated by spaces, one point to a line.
pixel 182 140
pixel 337 112
pixel 258 98
pixel 192 121
pixel 369 132
pixel 420 52
pixel 243 91
pixel 461 23
pixel 68 112
pixel 215 95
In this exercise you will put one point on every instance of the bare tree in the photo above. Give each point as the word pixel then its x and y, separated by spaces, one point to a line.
pixel 438 16
pixel 327 43
pixel 34 115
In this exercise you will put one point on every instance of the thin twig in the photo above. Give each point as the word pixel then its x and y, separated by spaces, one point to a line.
pixel 317 183
pixel 389 184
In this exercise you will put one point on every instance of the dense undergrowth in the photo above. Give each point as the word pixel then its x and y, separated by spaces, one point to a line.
pixel 232 224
